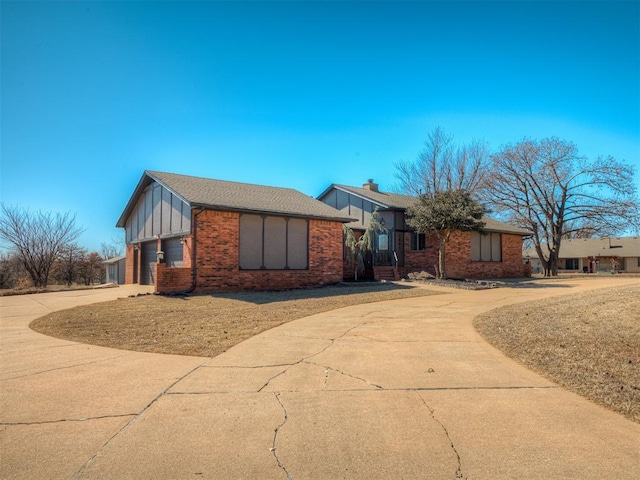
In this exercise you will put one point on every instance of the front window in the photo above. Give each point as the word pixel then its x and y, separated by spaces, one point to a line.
pixel 571 264
pixel 273 243
pixel 486 247
pixel 417 241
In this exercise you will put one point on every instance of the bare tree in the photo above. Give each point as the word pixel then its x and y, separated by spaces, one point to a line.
pixel 38 238
pixel 68 264
pixel 11 270
pixel 443 166
pixel 111 249
pixel 547 187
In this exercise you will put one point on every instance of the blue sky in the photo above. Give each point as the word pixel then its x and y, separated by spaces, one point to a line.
pixel 295 94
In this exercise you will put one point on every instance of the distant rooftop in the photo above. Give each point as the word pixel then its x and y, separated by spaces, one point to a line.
pixel 594 247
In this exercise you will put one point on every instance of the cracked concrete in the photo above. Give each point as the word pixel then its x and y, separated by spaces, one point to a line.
pixel 274 448
pixel 458 474
pixel 400 389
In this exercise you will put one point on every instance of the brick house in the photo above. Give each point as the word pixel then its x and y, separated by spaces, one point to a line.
pixel 188 234
pixel 398 251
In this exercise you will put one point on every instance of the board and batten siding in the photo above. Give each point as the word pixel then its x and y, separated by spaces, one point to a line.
pixel 351 205
pixel 158 212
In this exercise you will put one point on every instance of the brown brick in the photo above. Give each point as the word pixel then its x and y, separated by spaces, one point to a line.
pixel 217 258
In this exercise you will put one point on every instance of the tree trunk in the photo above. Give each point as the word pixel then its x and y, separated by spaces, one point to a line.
pixel 553 263
pixel 441 274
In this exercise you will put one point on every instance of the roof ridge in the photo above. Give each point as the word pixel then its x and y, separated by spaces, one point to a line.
pixel 382 192
pixel 197 177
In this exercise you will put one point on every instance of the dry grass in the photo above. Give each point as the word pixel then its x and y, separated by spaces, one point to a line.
pixel 589 343
pixel 6 292
pixel 204 325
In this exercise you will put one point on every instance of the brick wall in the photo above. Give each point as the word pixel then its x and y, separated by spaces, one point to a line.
pixel 217 253
pixel 421 260
pixel 172 279
pixel 129 262
pixel 458 262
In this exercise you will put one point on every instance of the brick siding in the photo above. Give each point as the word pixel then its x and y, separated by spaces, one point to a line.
pixel 218 259
pixel 172 279
pixel 458 263
pixel 421 260
pixel 129 262
pixel 217 253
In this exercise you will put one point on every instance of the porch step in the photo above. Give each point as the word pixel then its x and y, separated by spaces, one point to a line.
pixel 386 273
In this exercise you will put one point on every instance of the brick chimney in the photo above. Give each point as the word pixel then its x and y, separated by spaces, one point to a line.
pixel 370 185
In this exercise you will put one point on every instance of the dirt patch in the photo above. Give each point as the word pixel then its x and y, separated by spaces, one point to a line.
pixel 204 325
pixel 588 343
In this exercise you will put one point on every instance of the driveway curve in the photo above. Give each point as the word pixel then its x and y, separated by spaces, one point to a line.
pixel 397 389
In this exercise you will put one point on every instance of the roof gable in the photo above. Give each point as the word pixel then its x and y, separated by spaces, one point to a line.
pixel 398 201
pixel 234 196
pixel 385 200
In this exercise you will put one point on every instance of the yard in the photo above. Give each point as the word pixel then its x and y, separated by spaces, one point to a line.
pixel 205 325
pixel 589 343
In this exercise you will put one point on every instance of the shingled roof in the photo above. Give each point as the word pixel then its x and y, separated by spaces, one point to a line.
pixel 398 201
pixel 233 196
pixel 594 247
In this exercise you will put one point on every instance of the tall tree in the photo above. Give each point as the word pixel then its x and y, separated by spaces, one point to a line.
pixel 442 214
pixel 547 187
pixel 442 165
pixel 38 238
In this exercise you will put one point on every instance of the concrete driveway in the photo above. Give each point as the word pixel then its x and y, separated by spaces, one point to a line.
pixel 399 389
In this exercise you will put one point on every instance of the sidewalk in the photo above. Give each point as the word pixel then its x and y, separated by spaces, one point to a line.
pixel 399 389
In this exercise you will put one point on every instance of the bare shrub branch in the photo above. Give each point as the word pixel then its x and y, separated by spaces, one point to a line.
pixel 442 166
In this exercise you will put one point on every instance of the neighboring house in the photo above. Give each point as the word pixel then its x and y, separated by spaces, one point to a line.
pixel 400 250
pixel 115 270
pixel 188 233
pixel 593 255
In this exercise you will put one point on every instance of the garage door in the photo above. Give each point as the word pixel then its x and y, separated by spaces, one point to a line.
pixel 148 260
pixel 173 252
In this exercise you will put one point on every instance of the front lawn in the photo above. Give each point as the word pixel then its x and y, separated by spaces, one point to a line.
pixel 588 343
pixel 204 325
